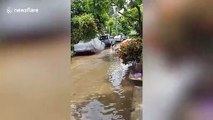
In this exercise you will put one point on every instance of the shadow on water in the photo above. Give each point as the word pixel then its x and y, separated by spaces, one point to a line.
pixel 103 107
pixel 116 104
pixel 84 53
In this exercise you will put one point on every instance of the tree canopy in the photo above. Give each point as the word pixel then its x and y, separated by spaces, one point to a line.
pixel 92 17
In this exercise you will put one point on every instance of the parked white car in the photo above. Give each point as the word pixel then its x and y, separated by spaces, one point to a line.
pixel 124 37
pixel 118 38
pixel 94 46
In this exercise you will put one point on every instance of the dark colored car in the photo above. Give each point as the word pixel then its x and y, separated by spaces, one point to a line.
pixel 105 39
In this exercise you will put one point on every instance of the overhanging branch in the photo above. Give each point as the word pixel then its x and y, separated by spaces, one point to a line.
pixel 128 16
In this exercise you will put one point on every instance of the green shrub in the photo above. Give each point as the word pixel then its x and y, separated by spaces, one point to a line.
pixel 83 28
pixel 130 51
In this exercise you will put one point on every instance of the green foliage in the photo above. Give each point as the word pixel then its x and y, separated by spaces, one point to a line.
pixel 85 27
pixel 77 7
pixel 132 12
pixel 72 47
pixel 111 22
pixel 90 17
pixel 124 25
pixel 113 33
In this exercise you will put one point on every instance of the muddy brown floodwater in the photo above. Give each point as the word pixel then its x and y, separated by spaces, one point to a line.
pixel 99 88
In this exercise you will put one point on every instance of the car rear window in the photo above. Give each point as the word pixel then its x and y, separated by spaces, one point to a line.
pixel 103 37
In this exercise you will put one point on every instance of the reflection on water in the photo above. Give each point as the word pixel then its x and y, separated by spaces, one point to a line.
pixel 117 72
pixel 94 109
pixel 116 104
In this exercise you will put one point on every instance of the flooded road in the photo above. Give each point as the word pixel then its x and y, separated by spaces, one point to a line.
pixel 99 88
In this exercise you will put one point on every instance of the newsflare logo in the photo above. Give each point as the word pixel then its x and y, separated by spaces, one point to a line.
pixel 10 10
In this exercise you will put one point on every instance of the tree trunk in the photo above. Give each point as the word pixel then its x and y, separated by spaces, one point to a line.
pixel 139 18
pixel 110 31
pixel 140 22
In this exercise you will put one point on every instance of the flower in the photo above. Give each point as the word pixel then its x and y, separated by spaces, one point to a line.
pixel 130 51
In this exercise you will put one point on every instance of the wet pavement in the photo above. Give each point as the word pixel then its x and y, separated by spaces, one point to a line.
pixel 99 88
